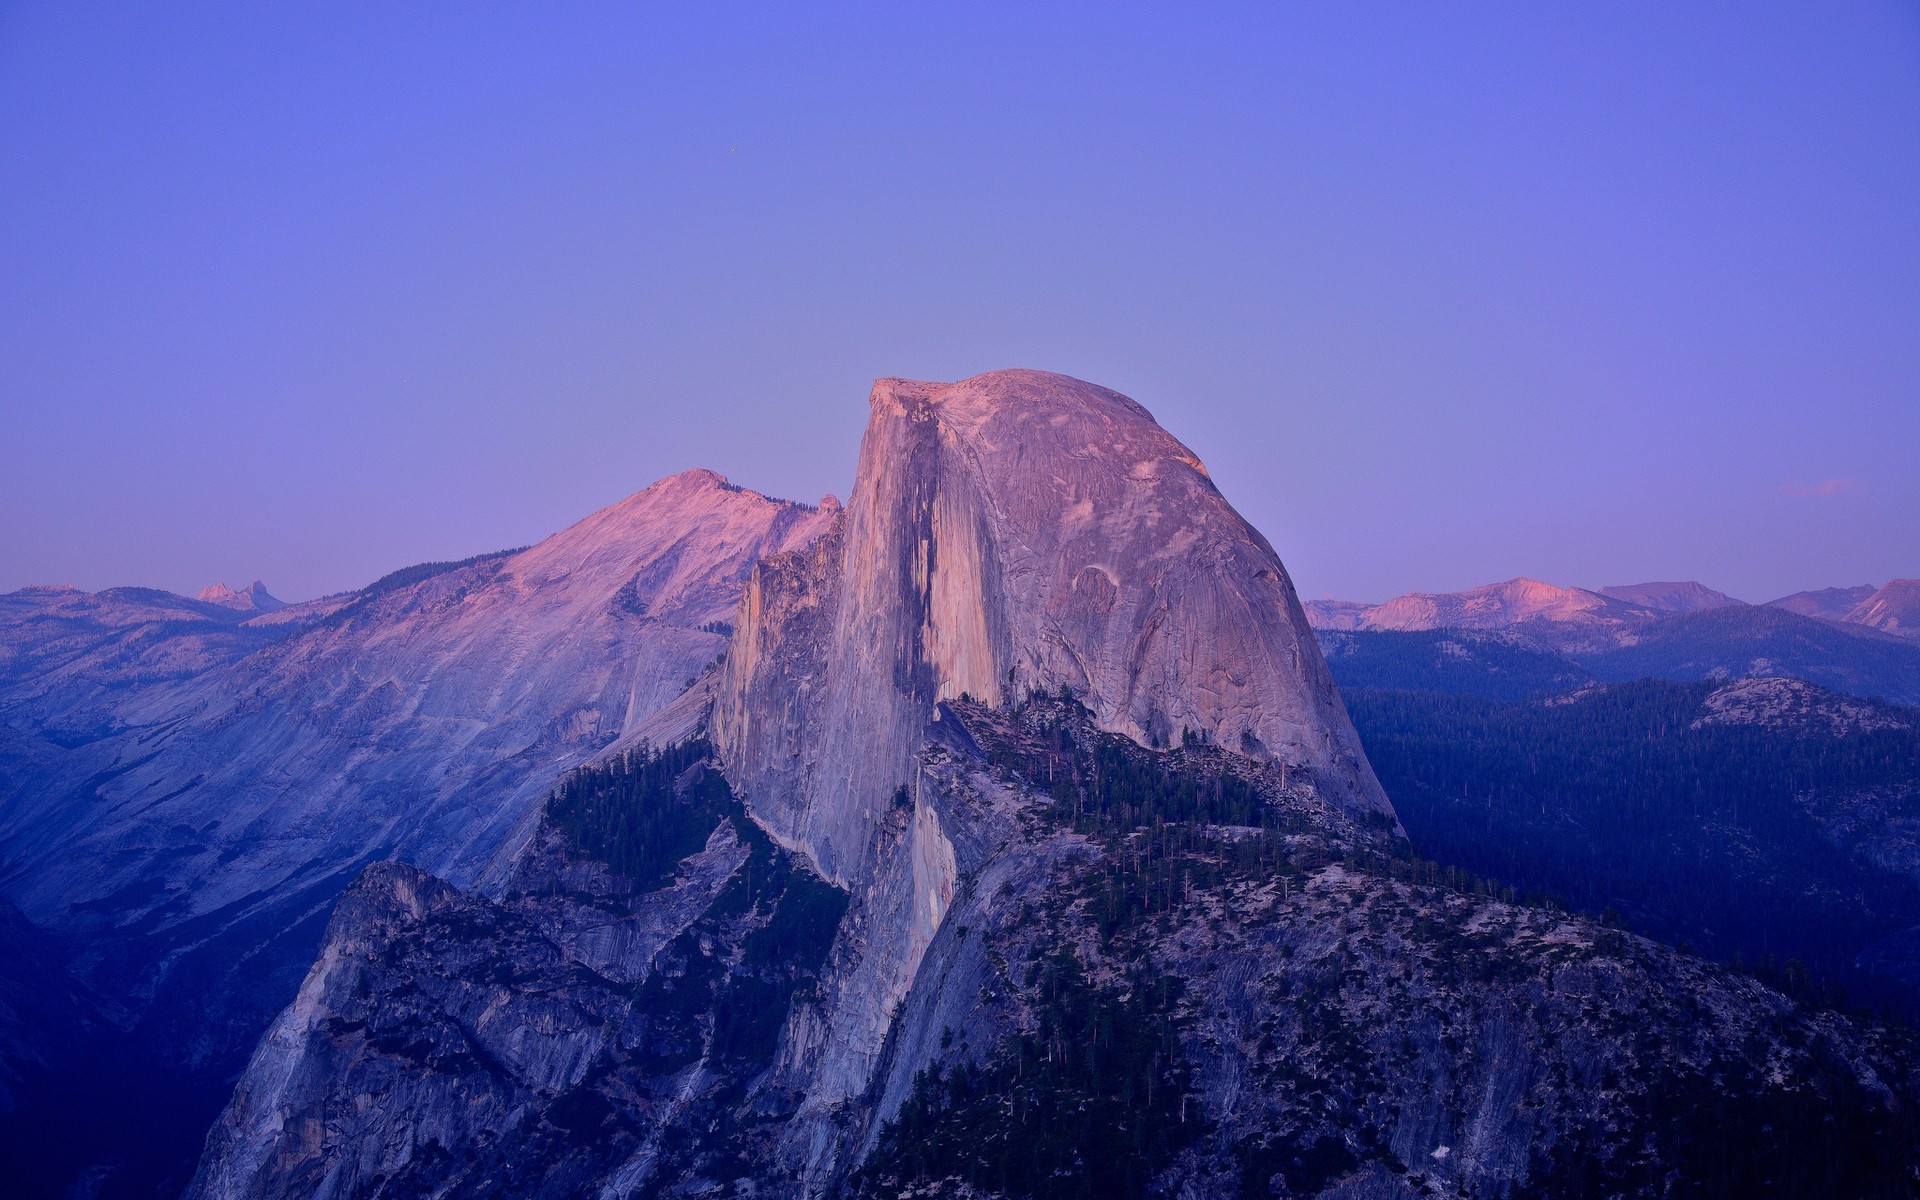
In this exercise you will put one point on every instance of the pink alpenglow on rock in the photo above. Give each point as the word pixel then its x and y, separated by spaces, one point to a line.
pixel 1894 609
pixel 1017 532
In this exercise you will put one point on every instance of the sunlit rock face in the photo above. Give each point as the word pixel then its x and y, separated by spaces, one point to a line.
pixel 254 598
pixel 1312 1011
pixel 1894 609
pixel 1016 532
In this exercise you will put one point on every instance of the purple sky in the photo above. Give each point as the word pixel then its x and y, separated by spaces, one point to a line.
pixel 1442 293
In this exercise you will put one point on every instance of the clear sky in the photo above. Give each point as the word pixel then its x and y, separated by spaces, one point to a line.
pixel 1443 294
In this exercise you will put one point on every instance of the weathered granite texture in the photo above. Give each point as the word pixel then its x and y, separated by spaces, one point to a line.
pixel 1341 1020
pixel 1016 532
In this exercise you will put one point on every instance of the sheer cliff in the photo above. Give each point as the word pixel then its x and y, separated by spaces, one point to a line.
pixel 1013 533
pixel 1152 973
pixel 1028 852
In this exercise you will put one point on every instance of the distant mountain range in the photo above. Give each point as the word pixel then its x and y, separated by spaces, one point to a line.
pixel 1894 608
pixel 1525 636
pixel 1002 833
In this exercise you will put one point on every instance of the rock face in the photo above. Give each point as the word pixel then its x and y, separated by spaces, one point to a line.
pixel 582 1033
pixel 1893 609
pixel 1795 705
pixel 1259 997
pixel 1049 865
pixel 1012 533
pixel 468 691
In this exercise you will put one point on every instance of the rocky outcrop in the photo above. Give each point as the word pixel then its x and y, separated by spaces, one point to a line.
pixel 467 691
pixel 1011 535
pixel 582 1034
pixel 1144 973
pixel 1014 533
pixel 1797 707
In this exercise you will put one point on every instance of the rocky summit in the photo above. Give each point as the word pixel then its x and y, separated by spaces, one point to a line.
pixel 1021 846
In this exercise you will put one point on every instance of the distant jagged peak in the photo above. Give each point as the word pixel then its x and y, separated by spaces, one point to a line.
pixel 253 598
pixel 1894 609
pixel 1684 596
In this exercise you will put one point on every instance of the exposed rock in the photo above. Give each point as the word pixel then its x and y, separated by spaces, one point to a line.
pixel 1893 609
pixel 1281 1005
pixel 580 1035
pixel 1794 704
pixel 197 850
pixel 1012 533
pixel 254 598
pixel 72 662
pixel 470 691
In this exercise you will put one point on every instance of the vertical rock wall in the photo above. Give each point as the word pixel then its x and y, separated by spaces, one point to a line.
pixel 1013 532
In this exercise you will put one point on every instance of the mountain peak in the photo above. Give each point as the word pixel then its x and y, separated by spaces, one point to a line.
pixel 1019 410
pixel 252 598
pixel 1832 603
pixel 1685 596
pixel 1895 609
pixel 1018 532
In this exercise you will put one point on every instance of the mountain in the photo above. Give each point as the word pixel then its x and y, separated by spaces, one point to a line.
pixel 988 552
pixel 1161 973
pixel 1609 637
pixel 1566 618
pixel 1894 609
pixel 71 662
pixel 1670 597
pixel 1757 819
pixel 254 598
pixel 1760 640
pixel 1025 849
pixel 1832 603
pixel 1498 664
pixel 196 851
